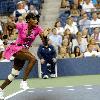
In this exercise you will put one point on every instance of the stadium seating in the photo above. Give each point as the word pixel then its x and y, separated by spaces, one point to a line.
pixel 8 6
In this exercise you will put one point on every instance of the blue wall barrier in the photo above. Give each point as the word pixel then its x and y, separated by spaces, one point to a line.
pixel 65 67
pixel 76 66
pixel 5 69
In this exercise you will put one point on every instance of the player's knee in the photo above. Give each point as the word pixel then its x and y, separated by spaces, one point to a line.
pixel 14 73
pixel 33 60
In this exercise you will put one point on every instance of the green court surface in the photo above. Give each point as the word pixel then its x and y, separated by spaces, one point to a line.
pixel 54 82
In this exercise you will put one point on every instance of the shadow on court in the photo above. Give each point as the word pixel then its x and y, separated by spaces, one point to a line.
pixel 62 93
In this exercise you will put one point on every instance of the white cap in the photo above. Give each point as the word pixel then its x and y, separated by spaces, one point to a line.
pixel 20 2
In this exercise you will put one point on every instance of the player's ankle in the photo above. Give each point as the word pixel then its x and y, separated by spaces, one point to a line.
pixel 1 89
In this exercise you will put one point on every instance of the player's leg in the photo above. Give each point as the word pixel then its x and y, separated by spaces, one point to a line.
pixel 26 55
pixel 18 65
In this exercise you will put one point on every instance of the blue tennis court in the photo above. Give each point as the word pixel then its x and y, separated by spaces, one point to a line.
pixel 85 92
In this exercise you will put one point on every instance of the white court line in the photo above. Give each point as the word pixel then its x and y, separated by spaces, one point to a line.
pixel 32 88
pixel 89 88
pixel 49 87
pixel 49 90
pixel 69 86
pixel 14 94
pixel 71 89
pixel 30 91
pixel 88 85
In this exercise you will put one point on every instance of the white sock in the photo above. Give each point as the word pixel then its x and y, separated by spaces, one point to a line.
pixel 1 89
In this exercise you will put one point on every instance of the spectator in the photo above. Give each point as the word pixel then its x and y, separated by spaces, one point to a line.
pixel 67 35
pixel 63 53
pixel 96 34
pixel 88 6
pixel 94 45
pixel 63 3
pixel 85 34
pixel 20 11
pixel 79 41
pixel 64 50
pixel 55 39
pixel 90 52
pixel 84 40
pixel 64 15
pixel 75 13
pixel 98 15
pixel 2 48
pixel 71 25
pixel 95 22
pixel 77 3
pixel 2 24
pixel 84 22
pixel 59 29
pixel 25 4
pixel 47 56
pixel 9 27
pixel 32 9
pixel 77 53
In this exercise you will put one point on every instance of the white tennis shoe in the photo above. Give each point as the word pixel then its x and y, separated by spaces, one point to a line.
pixel 1 94
pixel 24 85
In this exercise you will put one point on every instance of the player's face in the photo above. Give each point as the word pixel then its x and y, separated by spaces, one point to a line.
pixel 33 21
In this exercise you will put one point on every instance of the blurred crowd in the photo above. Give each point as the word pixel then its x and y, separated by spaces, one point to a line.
pixel 76 32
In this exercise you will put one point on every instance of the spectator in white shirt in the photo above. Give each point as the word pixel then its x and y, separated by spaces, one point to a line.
pixel 79 41
pixel 71 25
pixel 32 9
pixel 88 6
pixel 60 30
pixel 56 39
pixel 96 34
pixel 20 11
pixel 95 22
pixel 90 52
